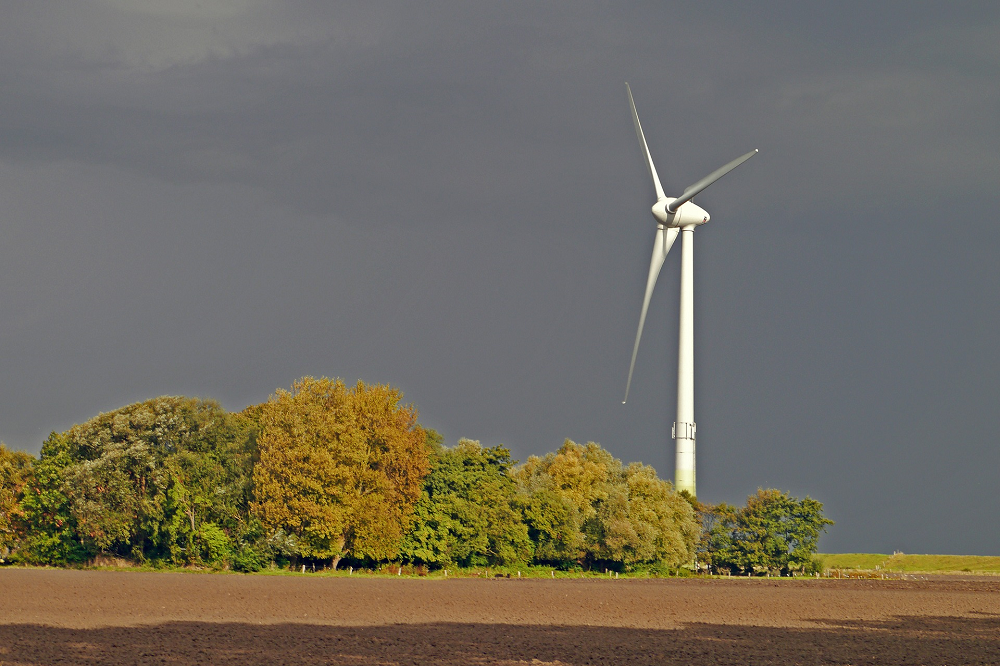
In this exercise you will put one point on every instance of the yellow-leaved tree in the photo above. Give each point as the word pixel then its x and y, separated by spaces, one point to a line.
pixel 339 469
pixel 581 504
pixel 15 468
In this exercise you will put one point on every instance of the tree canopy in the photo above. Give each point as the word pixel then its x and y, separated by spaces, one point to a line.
pixel 149 479
pixel 468 513
pixel 773 532
pixel 339 469
pixel 582 504
pixel 15 468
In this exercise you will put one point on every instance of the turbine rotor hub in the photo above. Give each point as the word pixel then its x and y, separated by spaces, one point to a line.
pixel 687 214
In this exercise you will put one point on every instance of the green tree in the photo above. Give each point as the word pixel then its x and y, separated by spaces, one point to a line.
pixel 15 470
pixel 127 482
pixel 48 525
pixel 209 492
pixel 339 469
pixel 582 505
pixel 468 513
pixel 552 519
pixel 434 441
pixel 774 532
pixel 644 520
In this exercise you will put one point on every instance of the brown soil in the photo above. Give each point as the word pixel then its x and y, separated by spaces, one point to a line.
pixel 95 617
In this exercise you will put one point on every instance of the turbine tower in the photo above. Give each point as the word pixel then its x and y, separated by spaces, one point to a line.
pixel 673 216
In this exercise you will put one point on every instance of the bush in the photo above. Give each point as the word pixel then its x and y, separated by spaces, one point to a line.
pixel 214 543
pixel 249 560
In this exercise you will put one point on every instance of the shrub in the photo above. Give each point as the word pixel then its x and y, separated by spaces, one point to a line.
pixel 249 560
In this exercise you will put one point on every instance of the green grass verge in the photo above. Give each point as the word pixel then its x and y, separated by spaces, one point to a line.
pixel 912 563
pixel 863 561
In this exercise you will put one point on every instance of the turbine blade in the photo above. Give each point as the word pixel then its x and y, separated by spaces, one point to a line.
pixel 645 148
pixel 661 245
pixel 692 191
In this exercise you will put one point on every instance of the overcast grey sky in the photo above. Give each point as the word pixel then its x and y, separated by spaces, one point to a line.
pixel 215 198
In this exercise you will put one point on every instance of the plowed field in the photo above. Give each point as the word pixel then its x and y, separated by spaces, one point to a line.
pixel 96 617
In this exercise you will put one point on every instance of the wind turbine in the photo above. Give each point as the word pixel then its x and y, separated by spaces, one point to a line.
pixel 673 216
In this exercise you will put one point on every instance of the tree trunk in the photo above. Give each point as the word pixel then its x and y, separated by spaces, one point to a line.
pixel 335 560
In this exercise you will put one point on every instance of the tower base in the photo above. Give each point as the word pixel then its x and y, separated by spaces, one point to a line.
pixel 684 470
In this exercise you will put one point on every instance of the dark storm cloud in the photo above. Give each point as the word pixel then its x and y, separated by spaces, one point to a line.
pixel 477 104
pixel 217 199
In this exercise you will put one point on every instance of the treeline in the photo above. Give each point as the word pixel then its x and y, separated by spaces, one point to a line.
pixel 328 475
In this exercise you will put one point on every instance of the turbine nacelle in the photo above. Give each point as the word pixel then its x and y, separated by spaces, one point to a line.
pixel 687 214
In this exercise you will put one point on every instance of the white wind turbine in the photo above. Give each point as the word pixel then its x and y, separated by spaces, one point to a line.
pixel 673 216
